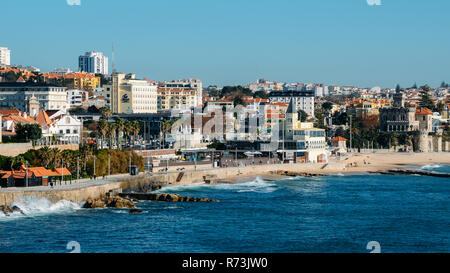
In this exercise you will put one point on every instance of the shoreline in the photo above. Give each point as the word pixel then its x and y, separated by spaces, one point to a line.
pixel 351 164
pixel 375 162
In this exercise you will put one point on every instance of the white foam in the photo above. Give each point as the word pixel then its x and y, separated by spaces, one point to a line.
pixel 430 167
pixel 41 206
pixel 256 185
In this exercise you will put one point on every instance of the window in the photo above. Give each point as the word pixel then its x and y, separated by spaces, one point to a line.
pixel 68 131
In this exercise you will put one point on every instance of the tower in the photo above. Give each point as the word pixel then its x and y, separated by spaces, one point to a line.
pixel 33 106
pixel 399 99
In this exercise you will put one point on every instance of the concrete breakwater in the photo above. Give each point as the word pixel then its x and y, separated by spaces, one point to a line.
pixel 74 195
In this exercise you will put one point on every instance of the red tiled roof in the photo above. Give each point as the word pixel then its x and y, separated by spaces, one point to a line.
pixel 5 112
pixel 424 111
pixel 339 139
pixel 43 118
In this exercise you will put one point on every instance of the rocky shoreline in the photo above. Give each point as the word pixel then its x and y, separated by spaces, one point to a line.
pixel 7 210
pixel 164 197
pixel 127 200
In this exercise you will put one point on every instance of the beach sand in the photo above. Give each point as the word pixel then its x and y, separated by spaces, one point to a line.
pixel 358 163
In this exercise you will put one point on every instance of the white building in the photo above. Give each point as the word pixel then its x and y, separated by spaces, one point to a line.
pixel 50 96
pixel 300 141
pixel 68 129
pixel 76 97
pixel 5 56
pixel 93 62
pixel 304 100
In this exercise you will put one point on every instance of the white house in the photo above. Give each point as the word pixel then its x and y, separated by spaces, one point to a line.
pixel 68 129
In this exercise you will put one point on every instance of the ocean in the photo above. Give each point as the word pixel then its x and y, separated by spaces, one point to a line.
pixel 339 213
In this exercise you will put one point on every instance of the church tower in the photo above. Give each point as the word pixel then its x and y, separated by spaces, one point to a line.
pixel 33 106
pixel 291 115
pixel 399 99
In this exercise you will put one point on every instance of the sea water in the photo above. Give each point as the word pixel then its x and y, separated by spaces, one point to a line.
pixel 339 213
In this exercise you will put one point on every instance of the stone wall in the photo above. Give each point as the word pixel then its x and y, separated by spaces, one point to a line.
pixel 74 195
pixel 15 149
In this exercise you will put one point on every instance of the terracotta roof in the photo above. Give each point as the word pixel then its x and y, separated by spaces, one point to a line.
pixel 5 112
pixel 66 171
pixel 8 133
pixel 20 119
pixel 424 111
pixel 43 118
pixel 339 139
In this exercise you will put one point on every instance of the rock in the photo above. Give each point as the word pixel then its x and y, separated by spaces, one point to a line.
pixel 92 204
pixel 17 209
pixel 136 211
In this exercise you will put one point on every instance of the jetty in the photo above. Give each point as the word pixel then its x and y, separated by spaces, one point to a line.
pixel 412 172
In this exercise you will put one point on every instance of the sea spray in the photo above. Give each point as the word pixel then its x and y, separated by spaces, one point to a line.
pixel 31 206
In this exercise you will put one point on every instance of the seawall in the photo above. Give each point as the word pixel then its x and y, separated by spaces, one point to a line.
pixel 73 195
pixel 147 183
pixel 15 149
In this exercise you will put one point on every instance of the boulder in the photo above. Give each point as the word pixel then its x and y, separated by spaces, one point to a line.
pixel 136 211
pixel 17 209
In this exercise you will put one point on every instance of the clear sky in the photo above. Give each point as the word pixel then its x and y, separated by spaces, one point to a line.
pixel 227 42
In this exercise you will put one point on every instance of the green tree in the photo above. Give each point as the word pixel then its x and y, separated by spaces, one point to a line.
pixel 327 106
pixel 120 123
pixel 425 98
pixel 27 132
pixel 103 130
pixel 302 115
pixel 262 94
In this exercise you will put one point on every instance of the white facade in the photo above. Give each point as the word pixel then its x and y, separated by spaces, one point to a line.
pixel 5 56
pixel 304 100
pixel 76 97
pixel 68 129
pixel 93 62
pixel 129 95
pixel 50 97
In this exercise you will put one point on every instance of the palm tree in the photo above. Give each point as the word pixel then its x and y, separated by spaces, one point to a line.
pixel 128 128
pixel 136 129
pixel 17 162
pixel 106 113
pixel 167 126
pixel 44 155
pixel 85 152
pixel 119 126
pixel 55 155
pixel 111 132
pixel 103 129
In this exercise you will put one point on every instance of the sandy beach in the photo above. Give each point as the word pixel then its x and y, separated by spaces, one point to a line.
pixel 358 163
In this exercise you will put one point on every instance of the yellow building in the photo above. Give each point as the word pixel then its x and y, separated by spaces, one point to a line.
pixel 77 80
pixel 130 95
pixel 363 108
pixel 179 99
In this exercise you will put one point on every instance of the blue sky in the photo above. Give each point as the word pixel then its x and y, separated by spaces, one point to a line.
pixel 227 42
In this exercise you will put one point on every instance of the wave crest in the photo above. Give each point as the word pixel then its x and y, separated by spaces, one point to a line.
pixel 41 206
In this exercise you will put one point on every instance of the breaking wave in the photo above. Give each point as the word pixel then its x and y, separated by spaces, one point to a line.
pixel 41 206
pixel 431 167
pixel 256 185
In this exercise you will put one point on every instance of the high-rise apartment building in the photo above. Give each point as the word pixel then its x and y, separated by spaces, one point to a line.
pixel 5 56
pixel 93 62
pixel 129 95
